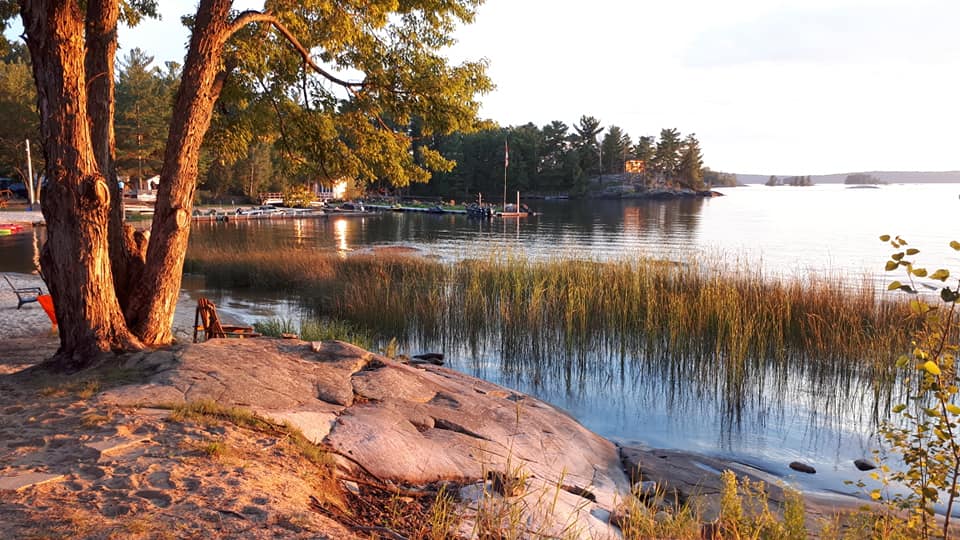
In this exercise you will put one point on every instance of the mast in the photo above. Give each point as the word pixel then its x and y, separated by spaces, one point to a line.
pixel 506 163
pixel 30 192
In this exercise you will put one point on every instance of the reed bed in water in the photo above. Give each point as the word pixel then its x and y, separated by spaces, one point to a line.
pixel 700 320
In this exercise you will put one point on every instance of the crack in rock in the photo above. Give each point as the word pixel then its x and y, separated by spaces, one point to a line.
pixel 440 423
pixel 371 364
pixel 580 492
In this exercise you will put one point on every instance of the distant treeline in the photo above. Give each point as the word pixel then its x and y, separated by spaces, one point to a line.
pixel 791 181
pixel 257 143
pixel 559 159
pixel 862 179
pixel 883 177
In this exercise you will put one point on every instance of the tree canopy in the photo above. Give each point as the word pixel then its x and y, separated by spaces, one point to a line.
pixel 354 88
pixel 551 159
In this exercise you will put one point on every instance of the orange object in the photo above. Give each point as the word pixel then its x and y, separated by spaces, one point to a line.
pixel 46 302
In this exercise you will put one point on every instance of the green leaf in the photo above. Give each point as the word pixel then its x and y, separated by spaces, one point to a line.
pixel 955 245
pixel 913 251
pixel 885 238
pixel 899 408
pixel 920 272
pixel 902 361
pixel 891 265
pixel 894 286
pixel 953 409
pixel 931 367
pixel 897 256
pixel 907 288
pixel 875 495
pixel 949 295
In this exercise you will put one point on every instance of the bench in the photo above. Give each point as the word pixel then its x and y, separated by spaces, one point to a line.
pixel 25 295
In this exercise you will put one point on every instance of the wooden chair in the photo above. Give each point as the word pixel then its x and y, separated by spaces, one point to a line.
pixel 206 321
pixel 25 295
pixel 5 196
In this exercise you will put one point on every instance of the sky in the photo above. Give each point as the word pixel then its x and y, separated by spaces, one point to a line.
pixel 787 87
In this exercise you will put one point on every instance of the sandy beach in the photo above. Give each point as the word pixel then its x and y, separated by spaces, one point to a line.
pixel 30 319
pixel 21 216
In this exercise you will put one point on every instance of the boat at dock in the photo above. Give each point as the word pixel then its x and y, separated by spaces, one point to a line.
pixel 256 213
pixel 478 210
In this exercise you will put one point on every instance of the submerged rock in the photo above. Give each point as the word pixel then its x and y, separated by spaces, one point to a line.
pixel 802 467
pixel 864 465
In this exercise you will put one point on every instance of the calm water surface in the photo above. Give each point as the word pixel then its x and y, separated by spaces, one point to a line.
pixel 829 229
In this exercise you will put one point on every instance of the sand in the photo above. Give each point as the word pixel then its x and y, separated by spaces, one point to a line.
pixel 75 469
pixel 71 467
pixel 21 216
pixel 31 320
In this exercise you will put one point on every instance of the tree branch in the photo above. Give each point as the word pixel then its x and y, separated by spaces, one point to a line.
pixel 249 17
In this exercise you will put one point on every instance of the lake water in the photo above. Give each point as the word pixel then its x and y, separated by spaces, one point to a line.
pixel 829 230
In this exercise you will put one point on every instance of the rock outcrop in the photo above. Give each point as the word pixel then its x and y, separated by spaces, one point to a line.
pixel 403 423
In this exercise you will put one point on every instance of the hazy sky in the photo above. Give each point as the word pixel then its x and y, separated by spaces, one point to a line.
pixel 768 86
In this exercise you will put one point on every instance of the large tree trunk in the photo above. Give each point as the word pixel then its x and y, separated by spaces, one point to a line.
pixel 126 252
pixel 150 312
pixel 103 286
pixel 76 201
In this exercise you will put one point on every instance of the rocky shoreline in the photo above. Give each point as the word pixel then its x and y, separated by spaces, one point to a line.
pixel 383 422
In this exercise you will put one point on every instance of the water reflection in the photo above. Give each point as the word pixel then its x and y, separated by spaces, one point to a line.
pixel 20 252
pixel 340 235
pixel 596 229
pixel 814 412
pixel 784 415
pixel 298 232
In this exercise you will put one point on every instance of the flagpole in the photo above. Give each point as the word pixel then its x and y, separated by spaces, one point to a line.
pixel 506 162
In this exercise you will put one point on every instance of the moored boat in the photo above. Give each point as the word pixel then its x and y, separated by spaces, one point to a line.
pixel 479 211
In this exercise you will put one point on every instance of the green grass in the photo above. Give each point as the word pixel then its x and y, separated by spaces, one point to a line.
pixel 87 384
pixel 205 411
pixel 316 330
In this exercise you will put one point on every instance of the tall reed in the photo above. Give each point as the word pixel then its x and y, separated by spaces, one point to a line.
pixel 728 328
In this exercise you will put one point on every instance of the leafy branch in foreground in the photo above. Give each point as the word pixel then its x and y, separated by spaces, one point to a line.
pixel 926 437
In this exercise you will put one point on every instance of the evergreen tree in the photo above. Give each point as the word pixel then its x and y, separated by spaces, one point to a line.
pixel 144 101
pixel 556 146
pixel 616 143
pixel 666 159
pixel 690 167
pixel 585 141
